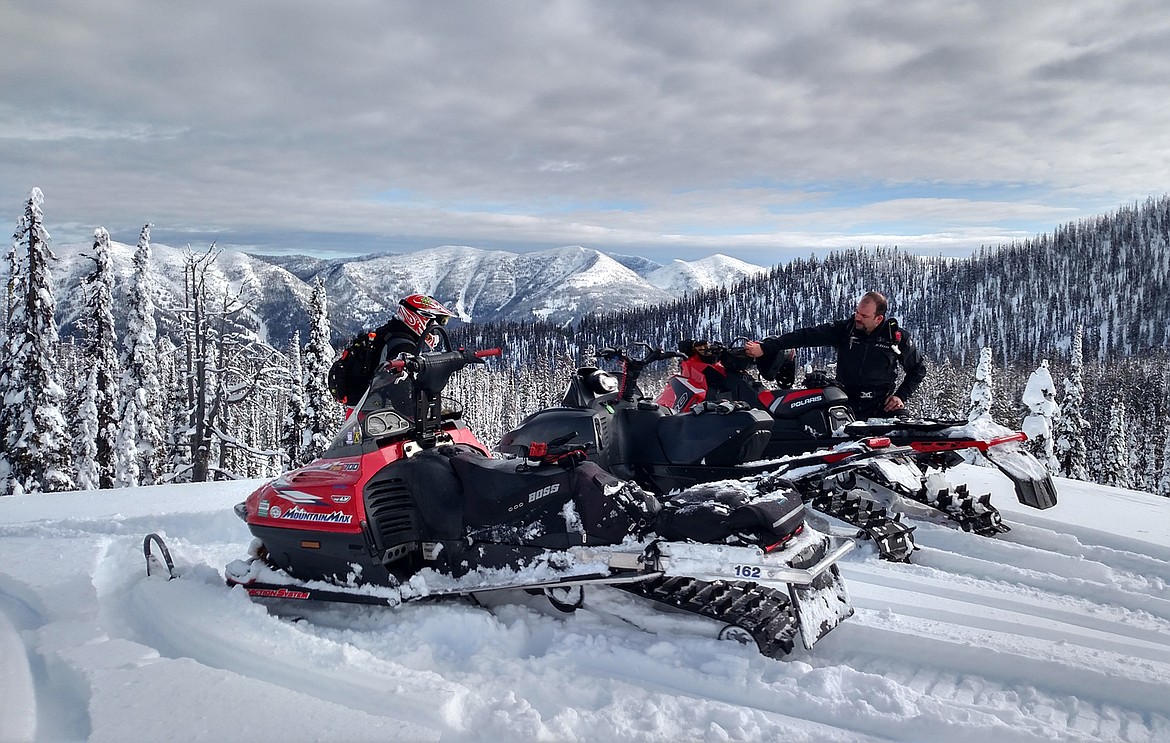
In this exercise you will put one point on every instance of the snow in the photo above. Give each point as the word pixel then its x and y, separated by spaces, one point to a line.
pixel 1056 631
pixel 680 277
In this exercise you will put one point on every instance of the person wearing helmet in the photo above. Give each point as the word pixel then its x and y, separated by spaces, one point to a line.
pixel 403 332
pixel 359 363
pixel 702 367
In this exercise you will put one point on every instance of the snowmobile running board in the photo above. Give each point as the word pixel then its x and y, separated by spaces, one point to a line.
pixel 737 586
pixel 668 559
pixel 313 592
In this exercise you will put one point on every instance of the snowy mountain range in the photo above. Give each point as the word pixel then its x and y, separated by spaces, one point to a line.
pixel 559 285
pixel 1058 630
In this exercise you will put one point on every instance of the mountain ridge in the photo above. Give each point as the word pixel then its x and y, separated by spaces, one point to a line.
pixel 559 285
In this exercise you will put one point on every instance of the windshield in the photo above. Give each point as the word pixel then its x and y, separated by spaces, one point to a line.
pixel 387 408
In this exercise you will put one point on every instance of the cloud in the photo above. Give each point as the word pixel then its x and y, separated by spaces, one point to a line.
pixel 714 125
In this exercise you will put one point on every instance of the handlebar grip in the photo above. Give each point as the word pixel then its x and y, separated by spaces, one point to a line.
pixel 488 352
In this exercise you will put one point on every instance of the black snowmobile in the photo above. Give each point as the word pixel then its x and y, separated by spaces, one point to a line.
pixel 408 505
pixel 838 473
pixel 641 440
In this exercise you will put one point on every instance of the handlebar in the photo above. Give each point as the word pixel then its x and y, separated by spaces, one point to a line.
pixel 652 354
pixel 432 370
pixel 417 363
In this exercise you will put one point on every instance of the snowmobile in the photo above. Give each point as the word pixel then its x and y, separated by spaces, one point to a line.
pixel 818 413
pixel 638 439
pixel 807 428
pixel 407 504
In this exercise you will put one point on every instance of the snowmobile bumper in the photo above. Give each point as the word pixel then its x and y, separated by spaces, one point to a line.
pixel 816 590
pixel 818 594
pixel 1034 486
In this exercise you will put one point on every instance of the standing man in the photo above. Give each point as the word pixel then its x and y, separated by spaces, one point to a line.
pixel 870 347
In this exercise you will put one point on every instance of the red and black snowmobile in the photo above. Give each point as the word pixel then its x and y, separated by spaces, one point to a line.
pixel 408 505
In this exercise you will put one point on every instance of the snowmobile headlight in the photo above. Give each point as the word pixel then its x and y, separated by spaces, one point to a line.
pixel 386 423
pixel 603 382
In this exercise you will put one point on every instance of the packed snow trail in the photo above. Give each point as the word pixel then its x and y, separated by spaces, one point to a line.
pixel 1058 630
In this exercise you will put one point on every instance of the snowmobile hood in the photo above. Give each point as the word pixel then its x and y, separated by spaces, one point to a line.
pixel 321 495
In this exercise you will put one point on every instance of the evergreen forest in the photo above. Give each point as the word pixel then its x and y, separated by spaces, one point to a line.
pixel 205 397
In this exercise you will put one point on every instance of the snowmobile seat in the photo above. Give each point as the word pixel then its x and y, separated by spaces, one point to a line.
pixel 716 436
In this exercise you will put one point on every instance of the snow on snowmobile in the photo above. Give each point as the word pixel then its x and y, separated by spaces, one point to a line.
pixel 408 505
pixel 638 439
pixel 817 414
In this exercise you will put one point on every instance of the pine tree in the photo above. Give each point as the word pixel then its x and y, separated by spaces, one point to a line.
pixel 89 475
pixel 1040 400
pixel 1115 468
pixel 295 424
pixel 36 439
pixel 320 409
pixel 1164 480
pixel 101 394
pixel 1071 425
pixel 176 412
pixel 142 420
pixel 9 378
pixel 983 391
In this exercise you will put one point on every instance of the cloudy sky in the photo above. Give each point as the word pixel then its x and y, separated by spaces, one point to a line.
pixel 760 129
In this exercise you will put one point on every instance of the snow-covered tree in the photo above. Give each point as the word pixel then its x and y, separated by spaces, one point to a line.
pixel 222 364
pixel 321 412
pixel 1115 466
pixel 1040 400
pixel 9 378
pixel 89 474
pixel 99 415
pixel 1071 425
pixel 142 417
pixel 983 391
pixel 176 411
pixel 14 283
pixel 295 425
pixel 1164 480
pixel 36 443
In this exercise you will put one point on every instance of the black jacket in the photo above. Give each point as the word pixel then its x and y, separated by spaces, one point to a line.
pixel 396 337
pixel 867 363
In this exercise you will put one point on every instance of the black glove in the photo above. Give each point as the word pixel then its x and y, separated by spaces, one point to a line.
pixel 777 364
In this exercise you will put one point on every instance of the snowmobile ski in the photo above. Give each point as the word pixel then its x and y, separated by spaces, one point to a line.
pixel 153 566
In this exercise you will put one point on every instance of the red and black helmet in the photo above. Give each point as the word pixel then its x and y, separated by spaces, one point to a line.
pixel 419 309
